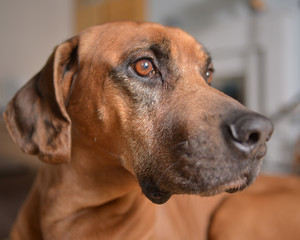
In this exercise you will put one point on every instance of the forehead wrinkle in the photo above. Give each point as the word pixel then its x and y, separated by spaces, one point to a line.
pixel 157 45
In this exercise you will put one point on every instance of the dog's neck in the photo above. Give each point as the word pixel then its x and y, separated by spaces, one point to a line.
pixel 94 192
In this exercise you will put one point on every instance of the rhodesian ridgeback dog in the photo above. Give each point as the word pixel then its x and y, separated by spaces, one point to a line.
pixel 124 113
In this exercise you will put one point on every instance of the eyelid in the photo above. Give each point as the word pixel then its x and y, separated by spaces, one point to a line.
pixel 139 55
pixel 209 64
pixel 211 69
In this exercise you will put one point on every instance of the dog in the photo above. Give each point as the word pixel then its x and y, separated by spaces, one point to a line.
pixel 124 113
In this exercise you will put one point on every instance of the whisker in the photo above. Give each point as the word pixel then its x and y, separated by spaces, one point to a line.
pixel 181 144
pixel 165 171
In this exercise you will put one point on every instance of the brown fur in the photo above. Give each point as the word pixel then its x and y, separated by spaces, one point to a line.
pixel 106 132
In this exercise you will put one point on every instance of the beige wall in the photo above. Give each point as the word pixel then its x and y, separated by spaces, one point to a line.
pixel 28 32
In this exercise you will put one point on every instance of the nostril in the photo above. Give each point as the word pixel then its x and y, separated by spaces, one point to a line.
pixel 243 135
pixel 249 132
pixel 253 138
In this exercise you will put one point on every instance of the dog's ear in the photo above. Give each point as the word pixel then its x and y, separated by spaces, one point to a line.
pixel 36 117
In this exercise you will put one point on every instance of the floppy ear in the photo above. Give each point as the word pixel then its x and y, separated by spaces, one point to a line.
pixel 36 117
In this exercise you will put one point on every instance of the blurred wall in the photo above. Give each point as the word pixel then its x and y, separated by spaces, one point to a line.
pixel 29 31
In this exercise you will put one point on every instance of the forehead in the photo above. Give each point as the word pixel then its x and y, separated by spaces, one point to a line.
pixel 115 40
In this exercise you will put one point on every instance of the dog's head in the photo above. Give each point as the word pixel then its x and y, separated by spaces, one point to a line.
pixel 142 92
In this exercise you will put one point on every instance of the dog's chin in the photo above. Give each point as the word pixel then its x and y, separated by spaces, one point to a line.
pixel 196 183
pixel 160 196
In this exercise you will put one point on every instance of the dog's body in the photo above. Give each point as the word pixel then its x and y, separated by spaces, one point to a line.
pixel 267 210
pixel 127 216
pixel 123 107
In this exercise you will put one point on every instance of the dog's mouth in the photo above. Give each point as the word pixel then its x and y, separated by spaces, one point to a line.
pixel 232 186
pixel 204 176
pixel 159 196
pixel 238 184
pixel 155 194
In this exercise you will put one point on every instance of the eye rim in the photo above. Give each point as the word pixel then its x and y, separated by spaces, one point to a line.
pixel 151 73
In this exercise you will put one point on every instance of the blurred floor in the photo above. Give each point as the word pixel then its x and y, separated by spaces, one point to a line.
pixel 14 187
pixel 17 172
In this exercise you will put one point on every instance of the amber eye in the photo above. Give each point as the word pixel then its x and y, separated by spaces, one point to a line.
pixel 209 75
pixel 144 68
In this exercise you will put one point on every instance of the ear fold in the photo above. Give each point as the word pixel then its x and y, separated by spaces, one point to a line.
pixel 36 117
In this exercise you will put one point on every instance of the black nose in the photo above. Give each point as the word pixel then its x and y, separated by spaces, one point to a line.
pixel 249 132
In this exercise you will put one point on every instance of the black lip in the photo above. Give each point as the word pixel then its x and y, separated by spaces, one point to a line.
pixel 153 192
pixel 240 186
pixel 237 189
pixel 158 197
pixel 232 190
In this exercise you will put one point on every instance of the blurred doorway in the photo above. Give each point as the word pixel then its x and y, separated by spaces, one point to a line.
pixel 94 12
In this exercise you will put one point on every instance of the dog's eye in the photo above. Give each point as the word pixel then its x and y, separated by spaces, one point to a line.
pixel 144 68
pixel 209 75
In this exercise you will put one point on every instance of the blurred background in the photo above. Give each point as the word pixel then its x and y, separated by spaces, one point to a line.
pixel 255 46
